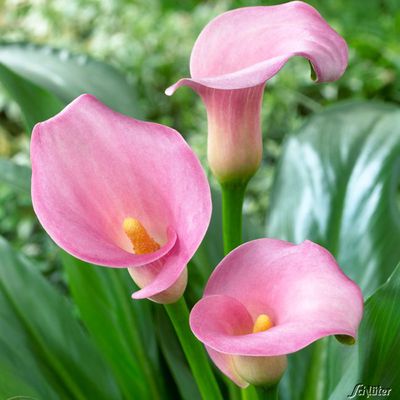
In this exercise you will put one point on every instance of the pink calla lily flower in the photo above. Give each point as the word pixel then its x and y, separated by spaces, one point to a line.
pixel 233 57
pixel 119 192
pixel 269 298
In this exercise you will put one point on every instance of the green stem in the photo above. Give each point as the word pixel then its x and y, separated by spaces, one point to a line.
pixel 194 351
pixel 232 204
pixel 250 393
pixel 269 393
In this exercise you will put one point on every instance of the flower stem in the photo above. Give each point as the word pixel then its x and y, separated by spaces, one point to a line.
pixel 232 204
pixel 250 393
pixel 194 350
pixel 269 393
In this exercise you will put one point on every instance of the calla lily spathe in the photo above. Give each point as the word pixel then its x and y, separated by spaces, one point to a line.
pixel 233 57
pixel 119 192
pixel 269 298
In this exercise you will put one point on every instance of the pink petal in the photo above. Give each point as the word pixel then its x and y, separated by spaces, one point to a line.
pixel 93 167
pixel 162 273
pixel 247 46
pixel 216 315
pixel 300 287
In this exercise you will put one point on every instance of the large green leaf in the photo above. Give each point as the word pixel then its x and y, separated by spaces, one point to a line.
pixel 69 75
pixel 380 337
pixel 36 104
pixel 336 184
pixel 22 372
pixel 122 328
pixel 376 363
pixel 175 358
pixel 44 352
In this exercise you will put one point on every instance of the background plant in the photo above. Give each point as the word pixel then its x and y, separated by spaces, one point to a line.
pixel 150 42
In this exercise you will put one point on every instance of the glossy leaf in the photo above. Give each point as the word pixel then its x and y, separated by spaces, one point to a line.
pixel 379 337
pixel 68 75
pixel 44 351
pixel 336 184
pixel 36 104
pixel 22 373
pixel 15 175
pixel 122 328
pixel 376 363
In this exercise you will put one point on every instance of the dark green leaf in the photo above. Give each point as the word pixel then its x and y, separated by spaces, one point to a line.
pixel 122 328
pixel 336 184
pixel 377 363
pixel 380 339
pixel 22 372
pixel 44 352
pixel 175 358
pixel 36 104
pixel 68 75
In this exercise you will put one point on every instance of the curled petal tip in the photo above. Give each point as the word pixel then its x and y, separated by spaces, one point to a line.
pixel 164 290
pixel 170 90
pixel 346 339
pixel 247 46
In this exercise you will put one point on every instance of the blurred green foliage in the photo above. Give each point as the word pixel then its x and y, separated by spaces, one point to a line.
pixel 151 40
